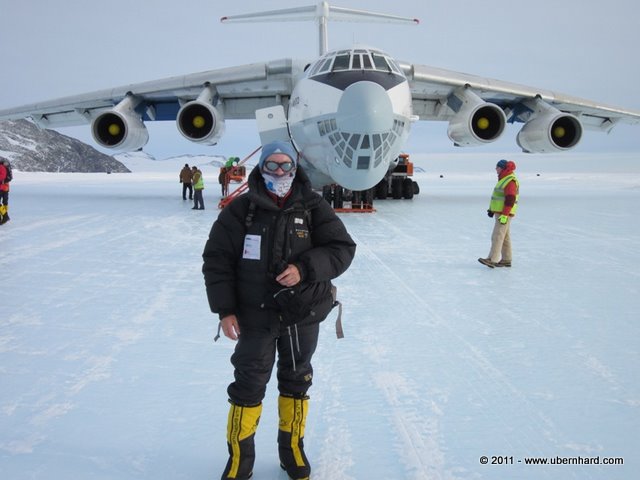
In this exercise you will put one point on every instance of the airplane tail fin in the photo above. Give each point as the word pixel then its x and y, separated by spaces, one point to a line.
pixel 322 13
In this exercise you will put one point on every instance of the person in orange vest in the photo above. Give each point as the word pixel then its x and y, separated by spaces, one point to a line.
pixel 503 207
pixel 5 177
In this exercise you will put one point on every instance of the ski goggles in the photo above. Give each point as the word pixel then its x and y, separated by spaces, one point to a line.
pixel 272 166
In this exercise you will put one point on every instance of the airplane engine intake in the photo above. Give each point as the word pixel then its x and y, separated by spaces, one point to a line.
pixel 200 122
pixel 120 131
pixel 475 122
pixel 551 132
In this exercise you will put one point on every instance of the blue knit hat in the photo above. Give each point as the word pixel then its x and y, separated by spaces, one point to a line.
pixel 278 147
pixel 502 164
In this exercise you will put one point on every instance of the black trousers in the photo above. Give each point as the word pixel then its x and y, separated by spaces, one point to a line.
pixel 255 356
pixel 4 197
pixel 185 187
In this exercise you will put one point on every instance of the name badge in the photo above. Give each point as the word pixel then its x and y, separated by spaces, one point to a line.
pixel 251 250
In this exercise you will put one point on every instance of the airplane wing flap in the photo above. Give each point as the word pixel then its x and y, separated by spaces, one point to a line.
pixel 431 86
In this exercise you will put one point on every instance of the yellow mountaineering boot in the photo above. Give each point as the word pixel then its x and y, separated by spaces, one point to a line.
pixel 241 429
pixel 4 214
pixel 293 416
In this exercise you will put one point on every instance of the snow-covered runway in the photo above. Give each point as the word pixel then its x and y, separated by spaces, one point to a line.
pixel 108 368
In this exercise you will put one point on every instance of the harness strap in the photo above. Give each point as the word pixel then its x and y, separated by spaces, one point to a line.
pixel 336 303
pixel 215 339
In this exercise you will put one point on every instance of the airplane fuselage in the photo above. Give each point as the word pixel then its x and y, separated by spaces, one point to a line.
pixel 349 116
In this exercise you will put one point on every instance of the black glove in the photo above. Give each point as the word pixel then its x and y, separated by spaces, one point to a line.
pixel 489 213
pixel 291 307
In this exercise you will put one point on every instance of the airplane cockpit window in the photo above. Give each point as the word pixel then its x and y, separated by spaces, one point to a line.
pixel 326 65
pixel 315 68
pixel 358 59
pixel 321 66
pixel 380 62
pixel 394 65
pixel 341 63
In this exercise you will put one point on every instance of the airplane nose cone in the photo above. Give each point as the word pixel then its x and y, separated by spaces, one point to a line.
pixel 365 107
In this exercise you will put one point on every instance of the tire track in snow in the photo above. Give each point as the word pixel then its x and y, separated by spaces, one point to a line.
pixel 415 421
pixel 420 446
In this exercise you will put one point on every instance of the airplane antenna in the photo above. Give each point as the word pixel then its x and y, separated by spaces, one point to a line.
pixel 322 13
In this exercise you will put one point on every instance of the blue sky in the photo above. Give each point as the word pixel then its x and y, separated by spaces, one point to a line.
pixel 586 48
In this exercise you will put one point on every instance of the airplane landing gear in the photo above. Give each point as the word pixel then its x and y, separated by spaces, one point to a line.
pixel 396 184
pixel 344 200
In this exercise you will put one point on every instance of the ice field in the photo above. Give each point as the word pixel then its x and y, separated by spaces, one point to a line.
pixel 108 370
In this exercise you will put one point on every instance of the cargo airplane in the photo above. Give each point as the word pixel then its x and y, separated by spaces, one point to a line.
pixel 348 112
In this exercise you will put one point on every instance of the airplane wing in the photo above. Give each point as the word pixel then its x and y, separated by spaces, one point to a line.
pixel 432 88
pixel 240 90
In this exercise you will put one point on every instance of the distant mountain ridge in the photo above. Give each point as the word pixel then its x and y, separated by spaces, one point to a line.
pixel 31 149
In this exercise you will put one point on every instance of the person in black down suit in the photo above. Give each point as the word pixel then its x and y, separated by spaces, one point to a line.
pixel 268 266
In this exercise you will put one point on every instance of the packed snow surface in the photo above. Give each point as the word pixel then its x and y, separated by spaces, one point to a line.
pixel 108 368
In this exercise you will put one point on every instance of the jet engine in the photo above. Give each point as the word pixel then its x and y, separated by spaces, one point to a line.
pixel 475 122
pixel 121 127
pixel 199 121
pixel 549 130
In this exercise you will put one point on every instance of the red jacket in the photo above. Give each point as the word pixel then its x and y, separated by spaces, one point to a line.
pixel 510 189
pixel 4 187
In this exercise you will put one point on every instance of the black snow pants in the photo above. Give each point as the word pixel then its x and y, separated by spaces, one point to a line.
pixel 254 358
pixel 185 187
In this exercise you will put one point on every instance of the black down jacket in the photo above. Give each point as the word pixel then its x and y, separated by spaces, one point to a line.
pixel 253 240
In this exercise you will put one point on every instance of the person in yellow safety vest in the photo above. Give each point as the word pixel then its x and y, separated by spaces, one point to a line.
pixel 503 207
pixel 198 186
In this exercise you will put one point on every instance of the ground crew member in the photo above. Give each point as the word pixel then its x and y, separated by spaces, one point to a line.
pixel 186 177
pixel 503 206
pixel 198 186
pixel 223 180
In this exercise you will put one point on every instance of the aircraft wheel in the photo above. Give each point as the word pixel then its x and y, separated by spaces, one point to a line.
pixel 367 197
pixel 327 193
pixel 382 189
pixel 338 197
pixel 407 188
pixel 357 200
pixel 396 187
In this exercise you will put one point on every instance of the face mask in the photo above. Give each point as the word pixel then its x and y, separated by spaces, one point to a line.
pixel 279 185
